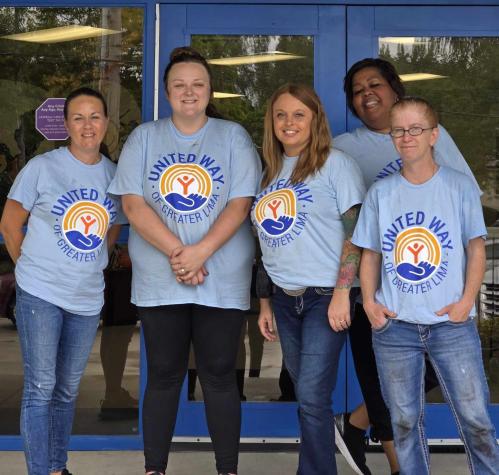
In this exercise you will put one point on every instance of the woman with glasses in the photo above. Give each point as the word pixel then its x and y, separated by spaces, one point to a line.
pixel 423 234
pixel 372 86
pixel 304 216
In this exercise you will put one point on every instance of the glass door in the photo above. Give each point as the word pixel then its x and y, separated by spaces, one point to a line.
pixel 449 55
pixel 45 53
pixel 253 50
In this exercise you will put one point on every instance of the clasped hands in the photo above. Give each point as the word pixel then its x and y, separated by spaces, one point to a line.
pixel 187 263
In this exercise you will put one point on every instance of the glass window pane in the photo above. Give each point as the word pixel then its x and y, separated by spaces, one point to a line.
pixel 46 53
pixel 459 76
pixel 247 70
pixel 251 68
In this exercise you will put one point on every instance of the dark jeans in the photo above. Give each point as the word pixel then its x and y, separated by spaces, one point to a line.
pixel 168 332
pixel 311 351
pixel 367 373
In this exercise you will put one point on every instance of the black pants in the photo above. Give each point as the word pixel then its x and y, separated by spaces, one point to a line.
pixel 367 373
pixel 168 332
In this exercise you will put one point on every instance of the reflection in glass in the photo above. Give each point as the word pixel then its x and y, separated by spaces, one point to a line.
pixel 247 70
pixel 253 67
pixel 46 53
pixel 463 88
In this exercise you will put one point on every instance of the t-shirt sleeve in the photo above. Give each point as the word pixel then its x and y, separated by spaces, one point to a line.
pixel 120 215
pixel 346 180
pixel 245 166
pixel 366 233
pixel 447 154
pixel 25 186
pixel 129 176
pixel 473 224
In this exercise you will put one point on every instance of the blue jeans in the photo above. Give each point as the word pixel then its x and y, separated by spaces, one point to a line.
pixel 311 351
pixel 55 346
pixel 455 352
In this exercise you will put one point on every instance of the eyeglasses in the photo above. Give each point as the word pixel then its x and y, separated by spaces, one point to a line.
pixel 413 131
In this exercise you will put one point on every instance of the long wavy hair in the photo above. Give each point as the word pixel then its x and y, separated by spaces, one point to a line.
pixel 315 153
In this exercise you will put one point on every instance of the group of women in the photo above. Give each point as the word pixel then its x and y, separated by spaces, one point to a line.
pixel 188 184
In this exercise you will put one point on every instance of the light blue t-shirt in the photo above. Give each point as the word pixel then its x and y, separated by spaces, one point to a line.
pixel 421 232
pixel 299 226
pixel 65 248
pixel 188 181
pixel 377 157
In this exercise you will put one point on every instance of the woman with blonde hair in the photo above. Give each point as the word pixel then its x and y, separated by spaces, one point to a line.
pixel 305 214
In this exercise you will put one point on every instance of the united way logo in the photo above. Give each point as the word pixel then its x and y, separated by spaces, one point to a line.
pixel 276 212
pixel 186 187
pixel 417 254
pixel 85 225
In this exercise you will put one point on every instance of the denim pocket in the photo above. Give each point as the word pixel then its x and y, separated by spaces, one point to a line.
pixel 384 327
pixel 324 290
pixel 468 320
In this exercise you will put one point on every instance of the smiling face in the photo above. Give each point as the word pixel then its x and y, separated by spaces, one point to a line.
pixel 414 149
pixel 188 91
pixel 292 122
pixel 373 98
pixel 86 124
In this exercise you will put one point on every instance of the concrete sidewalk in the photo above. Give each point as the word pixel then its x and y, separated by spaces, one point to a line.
pixel 201 463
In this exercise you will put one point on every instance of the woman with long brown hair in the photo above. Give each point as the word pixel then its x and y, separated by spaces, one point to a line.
pixel 305 215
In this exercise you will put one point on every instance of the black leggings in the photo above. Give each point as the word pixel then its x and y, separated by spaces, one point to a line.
pixel 215 333
pixel 367 373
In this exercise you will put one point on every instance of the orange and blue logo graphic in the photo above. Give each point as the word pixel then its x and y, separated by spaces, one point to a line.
pixel 85 225
pixel 417 254
pixel 186 187
pixel 276 212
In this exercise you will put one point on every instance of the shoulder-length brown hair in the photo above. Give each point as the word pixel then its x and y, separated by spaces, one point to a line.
pixel 315 153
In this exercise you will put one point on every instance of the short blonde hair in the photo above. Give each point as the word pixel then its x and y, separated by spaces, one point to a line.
pixel 429 112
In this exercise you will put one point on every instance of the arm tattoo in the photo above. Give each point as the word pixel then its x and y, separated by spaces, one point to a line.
pixel 350 259
pixel 349 219
pixel 350 255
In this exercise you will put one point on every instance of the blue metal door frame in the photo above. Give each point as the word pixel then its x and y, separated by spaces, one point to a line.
pixel 365 25
pixel 342 35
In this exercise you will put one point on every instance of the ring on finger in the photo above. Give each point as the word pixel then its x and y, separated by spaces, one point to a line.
pixel 182 270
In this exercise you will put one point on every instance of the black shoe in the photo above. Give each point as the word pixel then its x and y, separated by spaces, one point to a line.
pixel 351 442
pixel 254 373
pixel 65 472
